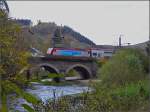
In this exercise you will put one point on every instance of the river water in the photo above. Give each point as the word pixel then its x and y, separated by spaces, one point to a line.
pixel 44 93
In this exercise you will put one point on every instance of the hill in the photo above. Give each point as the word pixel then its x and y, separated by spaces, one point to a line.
pixel 40 35
pixel 144 47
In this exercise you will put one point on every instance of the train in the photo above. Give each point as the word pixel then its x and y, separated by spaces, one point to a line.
pixel 76 52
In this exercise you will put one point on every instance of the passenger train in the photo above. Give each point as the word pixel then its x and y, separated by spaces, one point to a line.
pixel 76 52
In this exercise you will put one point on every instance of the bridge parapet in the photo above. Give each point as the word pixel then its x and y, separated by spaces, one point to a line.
pixel 62 58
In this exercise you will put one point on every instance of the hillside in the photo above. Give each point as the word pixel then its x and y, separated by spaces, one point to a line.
pixel 144 46
pixel 39 36
pixel 140 45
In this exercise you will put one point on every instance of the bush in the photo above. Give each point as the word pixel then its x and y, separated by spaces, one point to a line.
pixel 143 57
pixel 133 96
pixel 124 67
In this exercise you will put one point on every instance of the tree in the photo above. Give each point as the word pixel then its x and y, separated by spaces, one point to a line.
pixel 13 59
pixel 3 3
pixel 124 67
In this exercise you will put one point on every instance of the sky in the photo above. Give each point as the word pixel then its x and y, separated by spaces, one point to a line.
pixel 101 21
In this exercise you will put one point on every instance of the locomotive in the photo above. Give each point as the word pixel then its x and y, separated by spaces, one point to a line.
pixel 76 52
pixel 69 52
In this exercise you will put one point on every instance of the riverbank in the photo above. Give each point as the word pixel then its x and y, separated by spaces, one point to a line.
pixel 49 81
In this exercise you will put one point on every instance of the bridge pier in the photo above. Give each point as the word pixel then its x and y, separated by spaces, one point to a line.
pixel 62 71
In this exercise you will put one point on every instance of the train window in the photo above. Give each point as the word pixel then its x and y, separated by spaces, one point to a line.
pixel 94 54
pixel 107 52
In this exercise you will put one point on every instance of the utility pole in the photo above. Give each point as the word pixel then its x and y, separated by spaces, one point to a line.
pixel 120 41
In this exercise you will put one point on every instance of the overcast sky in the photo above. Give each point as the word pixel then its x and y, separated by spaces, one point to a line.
pixel 100 21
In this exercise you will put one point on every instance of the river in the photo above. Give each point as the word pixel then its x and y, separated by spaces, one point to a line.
pixel 45 92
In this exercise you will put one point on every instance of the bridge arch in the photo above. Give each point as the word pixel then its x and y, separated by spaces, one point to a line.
pixel 49 67
pixel 82 69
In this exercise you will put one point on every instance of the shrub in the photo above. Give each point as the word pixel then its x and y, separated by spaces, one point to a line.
pixel 134 96
pixel 124 67
pixel 143 57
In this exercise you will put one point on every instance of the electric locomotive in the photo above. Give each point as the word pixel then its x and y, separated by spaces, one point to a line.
pixel 69 52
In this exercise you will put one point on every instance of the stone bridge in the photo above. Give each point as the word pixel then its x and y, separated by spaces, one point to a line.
pixel 86 66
